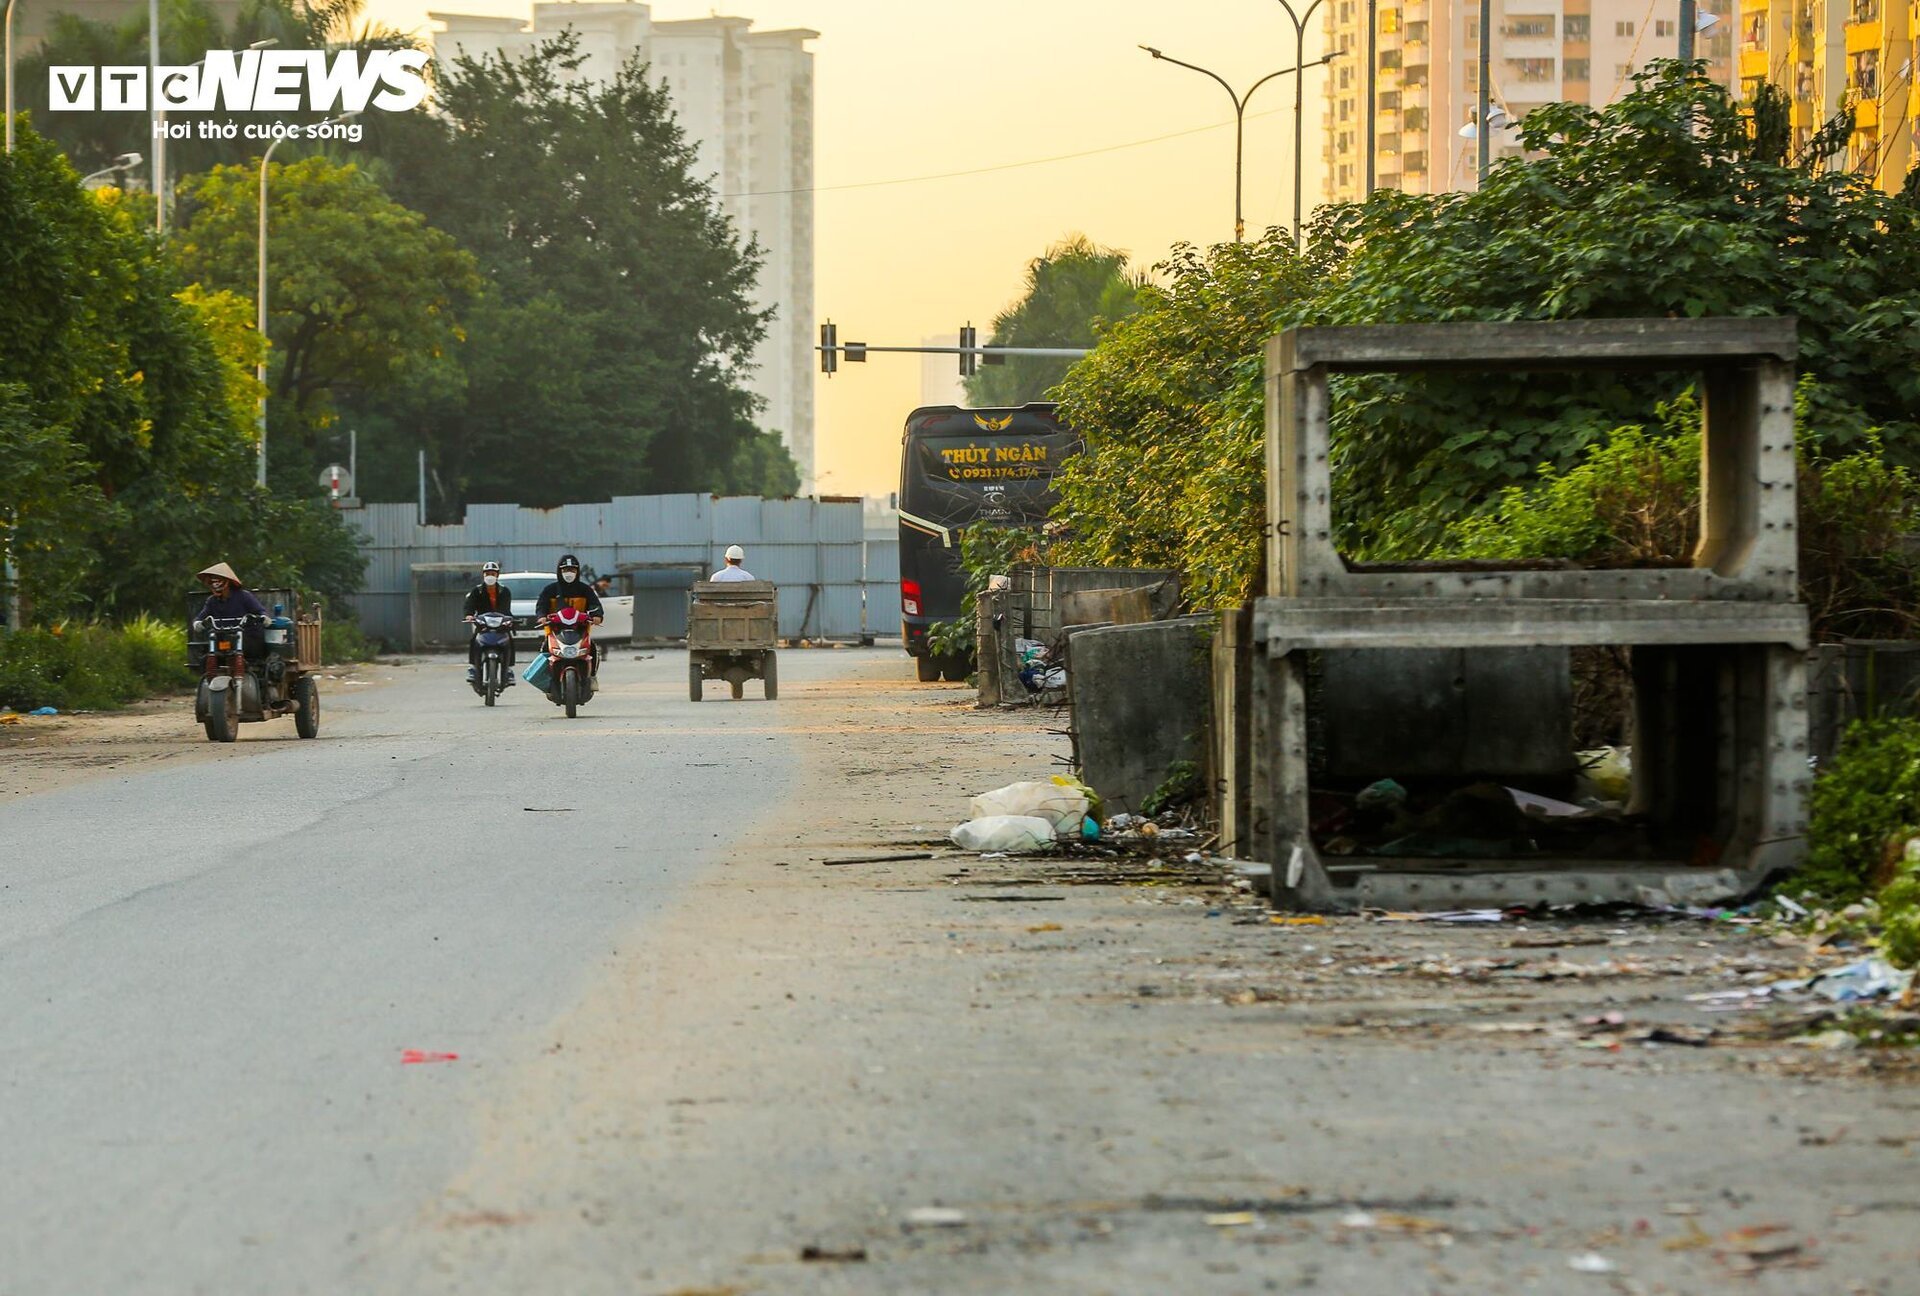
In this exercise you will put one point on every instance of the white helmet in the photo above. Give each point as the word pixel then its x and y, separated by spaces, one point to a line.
pixel 736 554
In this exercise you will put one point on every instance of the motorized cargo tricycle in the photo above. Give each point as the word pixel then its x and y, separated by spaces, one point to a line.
pixel 732 629
pixel 255 668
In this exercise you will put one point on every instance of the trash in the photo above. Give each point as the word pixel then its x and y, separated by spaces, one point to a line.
pixel 1045 927
pixel 9 717
pixel 410 1057
pixel 1686 890
pixel 1059 801
pixel 1383 795
pixel 1445 915
pixel 1231 1219
pixel 816 1254
pixel 1533 804
pixel 1089 830
pixel 1592 1262
pixel 1123 822
pixel 1297 920
pixel 1004 832
pixel 43 711
pixel 1869 978
pixel 936 1217
pixel 1606 773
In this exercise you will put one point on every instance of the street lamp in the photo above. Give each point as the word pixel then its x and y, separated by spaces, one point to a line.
pixel 1693 23
pixel 9 24
pixel 125 162
pixel 1300 21
pixel 1239 122
pixel 160 193
pixel 260 371
pixel 1496 118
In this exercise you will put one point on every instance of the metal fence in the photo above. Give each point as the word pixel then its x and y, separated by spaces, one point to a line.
pixel 836 581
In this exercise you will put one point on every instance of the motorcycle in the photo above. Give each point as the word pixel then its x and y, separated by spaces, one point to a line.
pixel 494 630
pixel 572 659
pixel 234 688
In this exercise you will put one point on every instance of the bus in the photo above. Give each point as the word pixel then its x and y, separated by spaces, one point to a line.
pixel 961 468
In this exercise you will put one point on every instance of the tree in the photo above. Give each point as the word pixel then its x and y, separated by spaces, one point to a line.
pixel 126 437
pixel 1070 291
pixel 363 295
pixel 608 354
pixel 1663 204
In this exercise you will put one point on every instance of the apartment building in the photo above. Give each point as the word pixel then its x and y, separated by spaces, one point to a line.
pixel 1427 80
pixel 1830 53
pixel 745 100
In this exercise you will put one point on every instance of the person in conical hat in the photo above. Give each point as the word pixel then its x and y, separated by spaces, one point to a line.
pixel 226 596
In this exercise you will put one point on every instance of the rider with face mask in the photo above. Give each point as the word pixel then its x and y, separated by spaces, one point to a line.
pixel 569 591
pixel 488 596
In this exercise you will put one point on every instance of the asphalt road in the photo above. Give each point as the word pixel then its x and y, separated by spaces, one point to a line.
pixel 209 974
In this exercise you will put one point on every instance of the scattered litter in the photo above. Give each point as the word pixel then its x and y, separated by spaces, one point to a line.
pixel 43 711
pixel 547 809
pixel 1445 916
pixel 936 1217
pixel 1605 773
pixel 1231 1219
pixel 815 1254
pixel 1592 1262
pixel 1004 832
pixel 1534 804
pixel 1045 927
pixel 410 1057
pixel 9 717
pixel 1298 920
pixel 1013 899
pixel 1383 795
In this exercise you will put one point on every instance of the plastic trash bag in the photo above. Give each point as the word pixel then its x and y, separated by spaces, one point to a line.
pixel 1061 804
pixel 1013 834
pixel 1606 773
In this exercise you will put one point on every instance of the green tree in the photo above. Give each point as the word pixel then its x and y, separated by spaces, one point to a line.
pixel 363 295
pixel 609 354
pixel 1070 292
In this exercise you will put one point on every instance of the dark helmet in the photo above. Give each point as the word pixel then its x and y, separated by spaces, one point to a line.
pixel 566 561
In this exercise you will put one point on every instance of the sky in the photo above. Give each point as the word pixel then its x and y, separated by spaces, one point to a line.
pixel 917 88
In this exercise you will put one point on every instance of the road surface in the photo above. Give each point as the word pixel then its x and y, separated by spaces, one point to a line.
pixel 666 1047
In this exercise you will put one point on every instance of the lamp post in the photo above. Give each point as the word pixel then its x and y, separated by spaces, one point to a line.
pixel 9 42
pixel 1240 126
pixel 1300 21
pixel 125 162
pixel 260 299
pixel 162 194
pixel 154 118
pixel 1483 118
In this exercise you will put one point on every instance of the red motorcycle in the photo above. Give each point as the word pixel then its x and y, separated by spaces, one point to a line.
pixel 573 666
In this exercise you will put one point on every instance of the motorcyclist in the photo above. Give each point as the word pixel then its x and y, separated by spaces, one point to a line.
pixel 567 590
pixel 488 596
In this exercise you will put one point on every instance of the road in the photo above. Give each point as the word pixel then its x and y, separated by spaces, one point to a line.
pixel 691 1055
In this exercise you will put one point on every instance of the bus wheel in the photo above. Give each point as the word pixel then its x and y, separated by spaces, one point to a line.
pixel 927 668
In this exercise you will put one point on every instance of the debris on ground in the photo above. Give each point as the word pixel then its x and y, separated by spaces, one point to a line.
pixel 1012 834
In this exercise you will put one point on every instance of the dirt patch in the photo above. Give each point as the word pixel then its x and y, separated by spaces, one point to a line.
pixel 47 753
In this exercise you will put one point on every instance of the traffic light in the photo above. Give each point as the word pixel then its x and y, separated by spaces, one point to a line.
pixel 856 352
pixel 969 361
pixel 829 348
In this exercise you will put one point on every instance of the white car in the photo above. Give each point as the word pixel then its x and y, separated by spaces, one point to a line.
pixel 617 609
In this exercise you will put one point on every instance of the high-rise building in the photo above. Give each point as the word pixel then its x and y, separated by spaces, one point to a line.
pixel 745 100
pixel 1427 77
pixel 1828 54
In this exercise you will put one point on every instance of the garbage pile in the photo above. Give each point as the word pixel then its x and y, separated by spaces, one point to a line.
pixel 1038 670
pixel 1031 816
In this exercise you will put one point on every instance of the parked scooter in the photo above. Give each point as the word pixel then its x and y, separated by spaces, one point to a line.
pixel 572 661
pixel 494 631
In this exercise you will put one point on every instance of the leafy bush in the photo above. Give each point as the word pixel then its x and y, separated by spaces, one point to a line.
pixel 341 640
pixel 91 667
pixel 984 551
pixel 1867 798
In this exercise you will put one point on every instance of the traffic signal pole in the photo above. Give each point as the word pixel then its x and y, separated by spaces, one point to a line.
pixel 832 351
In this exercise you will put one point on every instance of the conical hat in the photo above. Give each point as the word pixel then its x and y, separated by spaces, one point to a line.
pixel 220 570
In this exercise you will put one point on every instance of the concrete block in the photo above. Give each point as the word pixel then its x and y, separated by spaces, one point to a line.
pixel 1140 702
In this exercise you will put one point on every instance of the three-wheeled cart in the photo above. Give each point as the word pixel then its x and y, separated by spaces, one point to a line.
pixel 251 673
pixel 732 629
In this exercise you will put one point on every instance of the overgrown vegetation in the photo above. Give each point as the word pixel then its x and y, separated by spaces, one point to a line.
pixel 77 666
pixel 984 552
pixel 1866 805
pixel 1668 203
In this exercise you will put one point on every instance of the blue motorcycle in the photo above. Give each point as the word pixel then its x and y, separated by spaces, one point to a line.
pixel 493 631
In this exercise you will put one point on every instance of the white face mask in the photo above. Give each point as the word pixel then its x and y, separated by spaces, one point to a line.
pixel 569 574
pixel 491 580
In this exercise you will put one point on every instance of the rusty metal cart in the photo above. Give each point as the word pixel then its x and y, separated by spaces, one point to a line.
pixel 250 675
pixel 732 630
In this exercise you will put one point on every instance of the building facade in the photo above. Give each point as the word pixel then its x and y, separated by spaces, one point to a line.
pixel 1830 53
pixel 745 100
pixel 1427 85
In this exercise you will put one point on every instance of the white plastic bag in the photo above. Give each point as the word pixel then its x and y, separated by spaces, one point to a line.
pixel 1061 804
pixel 1011 833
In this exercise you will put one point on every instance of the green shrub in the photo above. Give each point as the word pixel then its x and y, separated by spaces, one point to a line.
pixel 1866 798
pixel 79 667
pixel 341 640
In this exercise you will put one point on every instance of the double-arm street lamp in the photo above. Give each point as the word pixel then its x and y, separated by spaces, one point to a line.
pixel 1240 127
pixel 9 44
pixel 125 162
pixel 1300 21
pixel 260 294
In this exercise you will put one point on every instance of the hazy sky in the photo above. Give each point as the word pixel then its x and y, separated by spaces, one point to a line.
pixel 912 88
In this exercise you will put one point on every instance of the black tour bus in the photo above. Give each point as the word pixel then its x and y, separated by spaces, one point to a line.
pixel 962 468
